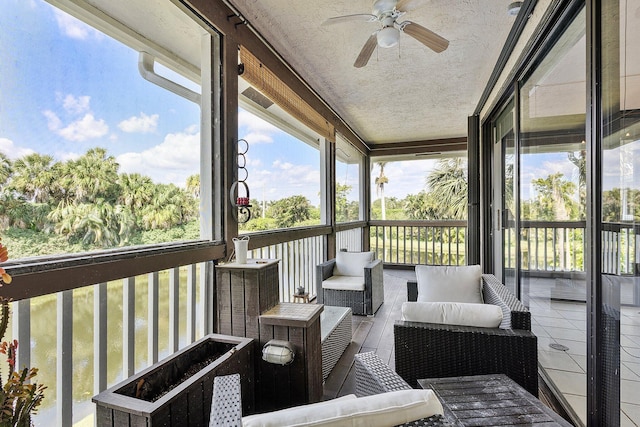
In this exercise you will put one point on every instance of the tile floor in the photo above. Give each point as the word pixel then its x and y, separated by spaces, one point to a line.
pixel 564 322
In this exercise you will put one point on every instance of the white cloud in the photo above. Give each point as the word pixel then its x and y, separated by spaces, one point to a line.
pixel 254 129
pixel 142 123
pixel 76 105
pixel 13 151
pixel 85 128
pixel 53 121
pixel 74 28
pixel 285 179
pixel 171 161
pixel 258 138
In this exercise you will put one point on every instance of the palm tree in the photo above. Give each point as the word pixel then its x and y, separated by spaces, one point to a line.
pixel 168 207
pixel 32 177
pixel 380 181
pixel 448 184
pixel 193 185
pixel 135 191
pixel 580 162
pixel 94 175
pixel 5 170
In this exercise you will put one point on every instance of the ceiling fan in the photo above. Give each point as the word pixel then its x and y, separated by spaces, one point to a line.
pixel 386 14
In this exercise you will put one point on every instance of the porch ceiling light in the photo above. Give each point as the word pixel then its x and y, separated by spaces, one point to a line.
pixel 388 37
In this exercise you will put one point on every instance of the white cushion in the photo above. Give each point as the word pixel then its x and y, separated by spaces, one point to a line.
pixel 261 419
pixel 379 410
pixel 344 283
pixel 453 313
pixel 352 263
pixel 449 284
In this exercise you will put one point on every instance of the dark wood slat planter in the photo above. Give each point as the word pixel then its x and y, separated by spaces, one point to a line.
pixel 188 403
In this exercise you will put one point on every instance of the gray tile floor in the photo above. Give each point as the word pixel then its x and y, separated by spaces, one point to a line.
pixel 554 322
pixel 564 322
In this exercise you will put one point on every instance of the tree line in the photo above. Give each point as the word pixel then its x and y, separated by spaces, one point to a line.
pixel 87 201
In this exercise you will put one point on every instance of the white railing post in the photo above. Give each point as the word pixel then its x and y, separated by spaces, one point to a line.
pixel 152 319
pixel 174 309
pixel 64 359
pixel 128 326
pixel 191 302
pixel 22 332
pixel 99 337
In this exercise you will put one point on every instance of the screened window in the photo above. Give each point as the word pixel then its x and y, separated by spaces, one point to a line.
pixel 427 189
pixel 92 155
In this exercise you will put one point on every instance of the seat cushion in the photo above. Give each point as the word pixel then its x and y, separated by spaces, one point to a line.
pixel 453 313
pixel 352 263
pixel 379 410
pixel 449 283
pixel 344 283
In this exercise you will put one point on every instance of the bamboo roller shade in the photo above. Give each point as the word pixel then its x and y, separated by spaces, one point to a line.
pixel 264 80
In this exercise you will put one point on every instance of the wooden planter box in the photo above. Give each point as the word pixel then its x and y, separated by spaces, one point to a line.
pixel 188 403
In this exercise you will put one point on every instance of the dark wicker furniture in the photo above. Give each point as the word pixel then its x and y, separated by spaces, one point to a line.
pixel 427 350
pixel 361 303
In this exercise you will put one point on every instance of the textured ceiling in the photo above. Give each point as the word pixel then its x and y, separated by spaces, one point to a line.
pixel 405 93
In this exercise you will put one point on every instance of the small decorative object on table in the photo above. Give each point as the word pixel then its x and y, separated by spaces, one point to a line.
pixel 19 396
pixel 300 290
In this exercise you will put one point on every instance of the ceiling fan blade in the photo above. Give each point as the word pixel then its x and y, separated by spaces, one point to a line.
pixel 348 18
pixel 425 36
pixel 366 51
pixel 409 5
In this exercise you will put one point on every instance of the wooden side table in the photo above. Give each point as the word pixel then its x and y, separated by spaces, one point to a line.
pixel 304 298
pixel 301 381
pixel 244 292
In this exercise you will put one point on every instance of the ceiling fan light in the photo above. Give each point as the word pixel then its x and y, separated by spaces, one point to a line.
pixel 388 37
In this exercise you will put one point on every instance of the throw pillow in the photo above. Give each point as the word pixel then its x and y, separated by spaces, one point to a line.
pixel 449 284
pixel 352 263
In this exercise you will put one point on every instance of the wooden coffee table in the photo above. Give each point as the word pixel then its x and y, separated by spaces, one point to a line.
pixel 490 400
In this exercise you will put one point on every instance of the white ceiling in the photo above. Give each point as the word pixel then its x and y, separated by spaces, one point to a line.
pixel 405 93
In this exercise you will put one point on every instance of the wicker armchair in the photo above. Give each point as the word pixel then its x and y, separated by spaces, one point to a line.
pixel 362 302
pixel 428 350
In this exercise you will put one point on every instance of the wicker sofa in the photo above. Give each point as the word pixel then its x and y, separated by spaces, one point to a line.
pixel 365 301
pixel 429 350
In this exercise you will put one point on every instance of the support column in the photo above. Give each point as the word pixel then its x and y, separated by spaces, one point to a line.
pixel 473 210
pixel 229 135
pixel 328 194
